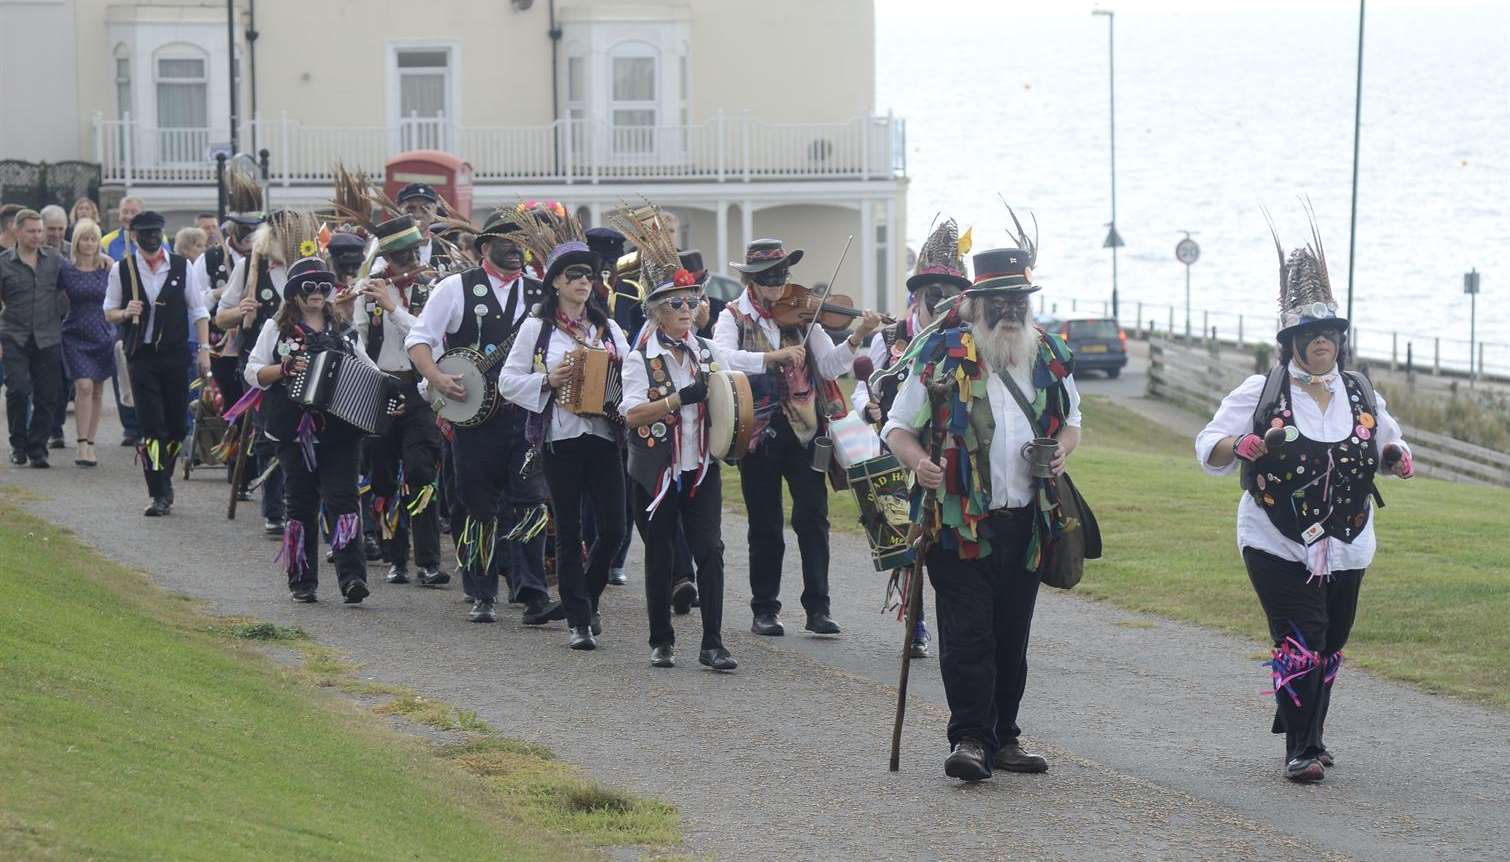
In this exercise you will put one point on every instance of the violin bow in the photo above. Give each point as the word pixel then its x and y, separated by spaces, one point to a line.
pixel 828 288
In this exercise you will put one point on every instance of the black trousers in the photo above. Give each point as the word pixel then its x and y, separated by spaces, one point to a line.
pixel 590 526
pixel 697 511
pixel 333 485
pixel 984 613
pixel 162 405
pixel 33 387
pixel 495 493
pixel 412 441
pixel 584 469
pixel 1318 614
pixel 760 475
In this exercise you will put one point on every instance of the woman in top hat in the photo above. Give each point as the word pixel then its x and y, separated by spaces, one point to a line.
pixel 676 479
pixel 1309 438
pixel 580 452
pixel 999 523
pixel 318 453
pixel 156 297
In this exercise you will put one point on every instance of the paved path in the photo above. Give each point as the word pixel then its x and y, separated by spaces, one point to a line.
pixel 1157 732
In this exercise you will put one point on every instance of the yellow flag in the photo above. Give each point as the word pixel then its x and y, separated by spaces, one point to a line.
pixel 965 241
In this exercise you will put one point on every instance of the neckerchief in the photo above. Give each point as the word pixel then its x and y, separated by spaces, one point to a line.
pixel 1304 377
pixel 505 277
pixel 154 261
pixel 761 309
pixel 684 349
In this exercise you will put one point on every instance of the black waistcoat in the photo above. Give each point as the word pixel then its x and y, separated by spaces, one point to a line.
pixel 268 301
pixel 486 326
pixel 168 315
pixel 1311 489
pixel 896 340
pixel 418 293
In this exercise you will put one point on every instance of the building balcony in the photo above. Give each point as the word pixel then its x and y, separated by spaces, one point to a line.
pixel 729 148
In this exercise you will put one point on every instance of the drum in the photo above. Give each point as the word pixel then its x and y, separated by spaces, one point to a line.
pixel 739 409
pixel 882 487
pixel 481 400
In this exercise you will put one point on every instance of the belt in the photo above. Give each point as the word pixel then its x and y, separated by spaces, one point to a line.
pixel 1011 514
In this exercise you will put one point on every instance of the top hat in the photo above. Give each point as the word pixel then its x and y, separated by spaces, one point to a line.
pixel 1305 295
pixel 762 254
pixel 692 262
pixel 397 234
pixel 566 254
pixel 417 190
pixel 307 271
pixel 941 260
pixel 1002 270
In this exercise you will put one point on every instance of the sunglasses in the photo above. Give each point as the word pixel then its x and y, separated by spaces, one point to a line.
pixel 573 273
pixel 323 288
pixel 676 303
pixel 773 277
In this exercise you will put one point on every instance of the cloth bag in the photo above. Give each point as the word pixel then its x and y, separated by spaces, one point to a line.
pixel 123 375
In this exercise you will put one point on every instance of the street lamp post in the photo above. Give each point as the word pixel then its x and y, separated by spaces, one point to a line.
pixel 1113 240
pixel 1471 287
pixel 1352 228
pixel 230 37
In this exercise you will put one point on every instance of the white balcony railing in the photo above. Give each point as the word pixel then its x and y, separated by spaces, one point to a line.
pixel 727 148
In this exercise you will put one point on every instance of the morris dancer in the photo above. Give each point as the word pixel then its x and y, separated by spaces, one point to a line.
pixel 1311 437
pixel 998 522
pixel 405 459
pixel 156 297
pixel 938 275
pixel 626 311
pixel 746 326
pixel 481 308
pixel 318 453
pixel 580 453
pixel 677 481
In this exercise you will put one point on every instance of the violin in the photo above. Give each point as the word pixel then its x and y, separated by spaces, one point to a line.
pixel 798 305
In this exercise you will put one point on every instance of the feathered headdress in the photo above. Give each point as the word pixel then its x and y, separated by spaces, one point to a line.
pixel 287 236
pixel 1305 288
pixel 243 194
pixel 1021 236
pixel 358 202
pixel 942 258
pixel 551 236
pixel 649 228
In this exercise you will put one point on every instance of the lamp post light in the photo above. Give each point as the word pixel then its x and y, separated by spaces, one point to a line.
pixel 1113 239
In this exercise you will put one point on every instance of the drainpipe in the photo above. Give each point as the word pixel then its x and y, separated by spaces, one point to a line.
pixel 251 57
pixel 555 35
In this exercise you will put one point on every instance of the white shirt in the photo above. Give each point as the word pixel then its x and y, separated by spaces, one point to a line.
pixel 396 326
pixel 443 311
pixel 152 285
pixel 682 371
pixel 1234 418
pixel 831 361
pixel 277 274
pixel 208 282
pixel 1011 485
pixel 878 353
pixel 265 353
pixel 526 386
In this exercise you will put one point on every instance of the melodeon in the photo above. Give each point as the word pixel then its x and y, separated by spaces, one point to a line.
pixel 596 385
pixel 347 388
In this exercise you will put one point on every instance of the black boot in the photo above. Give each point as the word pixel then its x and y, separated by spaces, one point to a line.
pixel 967 761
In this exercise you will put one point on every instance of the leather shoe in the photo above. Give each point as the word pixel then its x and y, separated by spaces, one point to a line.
pixel 303 595
pixel 581 638
pixel 821 624
pixel 718 659
pixel 1326 758
pixel 617 577
pixel 397 574
pixel 967 761
pixel 540 611
pixel 482 612
pixel 56 443
pixel 39 462
pixel 1305 770
pixel 920 641
pixel 157 509
pixel 18 457
pixel 432 577
pixel 682 596
pixel 597 624
pixel 767 624
pixel 662 656
pixel 355 591
pixel 1011 758
pixel 272 527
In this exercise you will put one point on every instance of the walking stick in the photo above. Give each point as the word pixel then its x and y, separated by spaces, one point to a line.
pixel 925 533
pixel 244 440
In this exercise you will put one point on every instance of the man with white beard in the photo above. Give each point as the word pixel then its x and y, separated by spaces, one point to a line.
pixel 999 524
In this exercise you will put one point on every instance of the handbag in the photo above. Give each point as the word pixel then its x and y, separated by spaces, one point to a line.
pixel 1081 539
pixel 123 375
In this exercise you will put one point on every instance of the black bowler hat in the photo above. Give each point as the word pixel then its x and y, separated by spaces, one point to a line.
pixel 692 262
pixel 1002 270
pixel 148 220
pixel 417 190
pixel 607 243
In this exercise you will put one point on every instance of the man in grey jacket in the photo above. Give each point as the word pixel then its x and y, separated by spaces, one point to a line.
pixel 31 314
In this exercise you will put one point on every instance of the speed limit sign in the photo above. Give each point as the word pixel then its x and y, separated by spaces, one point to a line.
pixel 1187 251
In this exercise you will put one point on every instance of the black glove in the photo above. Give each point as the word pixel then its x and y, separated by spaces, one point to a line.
pixel 693 392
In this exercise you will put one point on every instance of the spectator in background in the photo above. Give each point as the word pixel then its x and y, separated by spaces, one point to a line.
pixel 118 242
pixel 88 340
pixel 189 242
pixel 8 225
pixel 30 332
pixel 82 208
pixel 55 228
pixel 207 223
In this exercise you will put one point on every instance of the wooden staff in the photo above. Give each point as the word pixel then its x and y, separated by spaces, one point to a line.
pixel 924 534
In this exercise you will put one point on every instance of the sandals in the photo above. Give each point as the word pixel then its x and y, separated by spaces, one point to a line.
pixel 81 460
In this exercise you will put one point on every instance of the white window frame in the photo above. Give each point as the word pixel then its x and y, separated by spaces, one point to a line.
pixel 635 49
pixel 452 50
pixel 181 145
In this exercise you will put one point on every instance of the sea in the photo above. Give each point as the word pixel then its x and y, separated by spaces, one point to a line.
pixel 1223 108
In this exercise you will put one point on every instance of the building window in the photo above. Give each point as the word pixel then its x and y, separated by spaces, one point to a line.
pixel 122 85
pixel 183 112
pixel 424 91
pixel 632 100
pixel 576 105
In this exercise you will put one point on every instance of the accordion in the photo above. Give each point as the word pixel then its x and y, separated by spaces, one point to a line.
pixel 595 386
pixel 341 385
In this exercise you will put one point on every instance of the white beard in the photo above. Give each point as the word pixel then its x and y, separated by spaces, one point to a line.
pixel 1010 351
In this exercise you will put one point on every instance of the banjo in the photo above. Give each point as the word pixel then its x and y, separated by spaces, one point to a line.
pixel 479 375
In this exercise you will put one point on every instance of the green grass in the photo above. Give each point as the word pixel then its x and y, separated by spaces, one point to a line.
pixel 133 727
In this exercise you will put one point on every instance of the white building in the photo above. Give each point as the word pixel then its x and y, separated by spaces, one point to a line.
pixel 746 117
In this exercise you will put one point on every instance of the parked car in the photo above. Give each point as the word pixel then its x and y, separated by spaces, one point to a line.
pixel 1099 343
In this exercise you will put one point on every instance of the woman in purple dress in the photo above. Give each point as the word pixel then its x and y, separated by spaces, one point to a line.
pixel 88 340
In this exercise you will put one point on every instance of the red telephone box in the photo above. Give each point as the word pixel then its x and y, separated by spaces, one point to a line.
pixel 448 174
